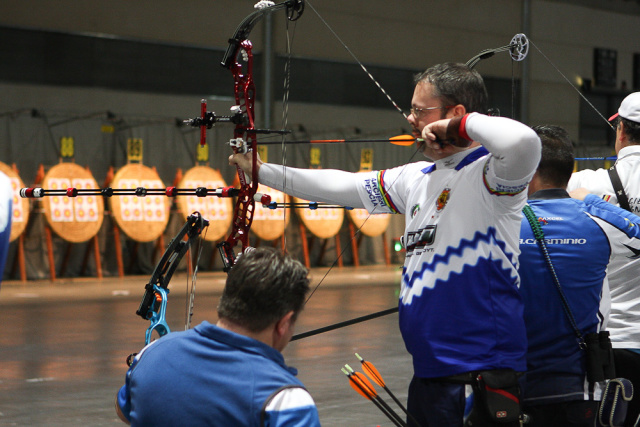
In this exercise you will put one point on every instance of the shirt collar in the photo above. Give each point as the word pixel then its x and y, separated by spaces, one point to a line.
pixel 458 160
pixel 629 150
pixel 243 342
pixel 550 193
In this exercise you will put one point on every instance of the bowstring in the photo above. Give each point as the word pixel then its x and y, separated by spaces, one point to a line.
pixel 285 121
pixel 357 61
pixel 395 105
pixel 192 294
pixel 572 85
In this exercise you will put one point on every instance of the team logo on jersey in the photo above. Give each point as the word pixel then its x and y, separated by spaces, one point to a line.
pixel 443 198
pixel 636 252
pixel 414 210
pixel 542 221
pixel 417 240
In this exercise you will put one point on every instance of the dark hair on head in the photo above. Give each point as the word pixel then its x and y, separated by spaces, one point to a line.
pixel 631 129
pixel 556 162
pixel 262 287
pixel 455 84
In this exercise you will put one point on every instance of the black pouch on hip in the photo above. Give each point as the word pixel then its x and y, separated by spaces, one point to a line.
pixel 498 390
pixel 600 364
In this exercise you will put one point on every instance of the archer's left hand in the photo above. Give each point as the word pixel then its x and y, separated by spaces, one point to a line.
pixel 244 162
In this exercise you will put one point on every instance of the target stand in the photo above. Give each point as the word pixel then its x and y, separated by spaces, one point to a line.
pixel 142 219
pixel 217 210
pixel 73 219
pixel 322 223
pixel 270 224
pixel 370 226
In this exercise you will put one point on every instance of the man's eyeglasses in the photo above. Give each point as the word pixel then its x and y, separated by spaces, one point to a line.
pixel 418 112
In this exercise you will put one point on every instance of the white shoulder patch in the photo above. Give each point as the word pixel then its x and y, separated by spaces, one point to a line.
pixel 290 398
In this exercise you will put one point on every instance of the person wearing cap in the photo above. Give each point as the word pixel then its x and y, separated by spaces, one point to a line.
pixel 624 274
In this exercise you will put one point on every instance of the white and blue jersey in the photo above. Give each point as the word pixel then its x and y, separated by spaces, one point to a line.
pixel 582 237
pixel 460 309
pixel 209 376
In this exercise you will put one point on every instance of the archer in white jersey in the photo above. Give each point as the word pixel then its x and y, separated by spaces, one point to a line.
pixel 460 309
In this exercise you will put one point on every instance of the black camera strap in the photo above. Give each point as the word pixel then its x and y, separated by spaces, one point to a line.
pixel 623 200
pixel 539 235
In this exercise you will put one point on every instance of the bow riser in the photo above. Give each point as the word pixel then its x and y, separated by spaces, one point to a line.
pixel 244 91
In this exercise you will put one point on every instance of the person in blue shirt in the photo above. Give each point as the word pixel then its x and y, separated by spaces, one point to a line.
pixel 582 237
pixel 6 213
pixel 231 373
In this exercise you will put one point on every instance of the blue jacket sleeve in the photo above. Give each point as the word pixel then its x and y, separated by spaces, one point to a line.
pixel 631 226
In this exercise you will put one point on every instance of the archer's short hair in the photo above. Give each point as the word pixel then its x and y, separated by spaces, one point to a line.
pixel 631 129
pixel 556 162
pixel 455 84
pixel 262 287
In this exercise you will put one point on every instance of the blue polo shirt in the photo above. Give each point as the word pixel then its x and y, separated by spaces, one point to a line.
pixel 581 238
pixel 209 376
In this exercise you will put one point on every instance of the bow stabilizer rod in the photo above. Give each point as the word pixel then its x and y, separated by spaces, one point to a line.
pixel 37 192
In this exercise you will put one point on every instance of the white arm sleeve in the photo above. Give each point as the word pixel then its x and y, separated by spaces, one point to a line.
pixel 316 185
pixel 515 147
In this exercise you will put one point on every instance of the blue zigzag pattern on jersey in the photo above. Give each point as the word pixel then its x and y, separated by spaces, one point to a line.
pixel 488 237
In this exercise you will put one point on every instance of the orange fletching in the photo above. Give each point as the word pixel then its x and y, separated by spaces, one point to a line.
pixel 373 373
pixel 357 387
pixel 404 140
pixel 365 383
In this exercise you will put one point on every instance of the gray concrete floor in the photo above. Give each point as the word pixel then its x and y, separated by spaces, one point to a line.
pixel 63 345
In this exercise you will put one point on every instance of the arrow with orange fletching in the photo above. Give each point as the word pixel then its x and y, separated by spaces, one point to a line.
pixel 373 373
pixel 402 140
pixel 361 384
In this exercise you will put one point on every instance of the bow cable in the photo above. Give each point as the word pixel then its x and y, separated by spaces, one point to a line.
pixel 358 62
pixel 571 84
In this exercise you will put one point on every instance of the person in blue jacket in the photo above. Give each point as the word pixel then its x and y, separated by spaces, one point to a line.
pixel 231 373
pixel 582 237
pixel 6 213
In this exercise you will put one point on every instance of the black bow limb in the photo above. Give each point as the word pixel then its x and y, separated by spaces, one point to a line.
pixel 154 302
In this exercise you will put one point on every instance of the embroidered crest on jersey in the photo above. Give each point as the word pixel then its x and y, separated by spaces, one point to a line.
pixel 442 200
pixel 414 210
